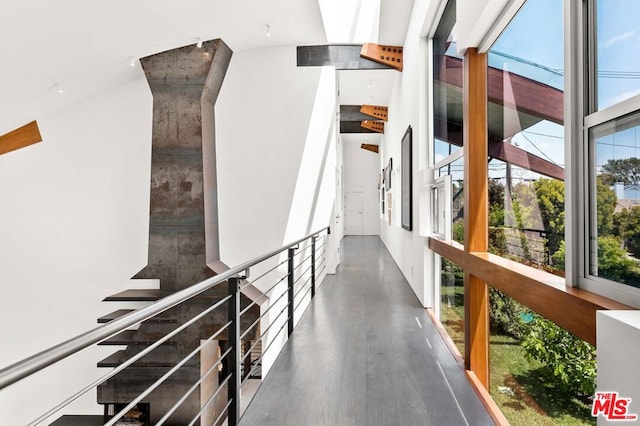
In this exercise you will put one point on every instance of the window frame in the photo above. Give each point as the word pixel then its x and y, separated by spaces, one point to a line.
pixel 584 106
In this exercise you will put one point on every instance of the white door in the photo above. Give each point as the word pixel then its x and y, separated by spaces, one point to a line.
pixel 354 209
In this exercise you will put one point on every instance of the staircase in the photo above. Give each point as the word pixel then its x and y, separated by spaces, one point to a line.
pixel 118 391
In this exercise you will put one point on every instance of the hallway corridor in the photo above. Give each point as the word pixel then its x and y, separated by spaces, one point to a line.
pixel 365 353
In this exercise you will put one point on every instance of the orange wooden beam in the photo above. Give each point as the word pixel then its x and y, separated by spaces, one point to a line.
pixel 20 137
pixel 376 111
pixel 376 126
pixel 476 211
pixel 369 147
pixel 387 55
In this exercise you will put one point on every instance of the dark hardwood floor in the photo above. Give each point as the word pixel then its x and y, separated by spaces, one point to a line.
pixel 365 353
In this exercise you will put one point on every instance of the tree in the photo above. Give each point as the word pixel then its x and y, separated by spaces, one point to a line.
pixel 606 203
pixel 550 195
pixel 626 170
pixel 626 224
pixel 613 262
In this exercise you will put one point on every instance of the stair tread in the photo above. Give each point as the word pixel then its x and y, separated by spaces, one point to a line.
pixel 121 312
pixel 132 337
pixel 120 356
pixel 79 420
pixel 135 295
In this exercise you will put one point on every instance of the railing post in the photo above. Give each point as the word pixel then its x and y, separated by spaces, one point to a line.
pixel 290 292
pixel 313 266
pixel 233 387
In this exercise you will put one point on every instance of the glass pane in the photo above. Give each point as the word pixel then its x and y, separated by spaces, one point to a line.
pixel 617 41
pixel 540 373
pixel 615 200
pixel 447 87
pixel 456 170
pixel 452 302
pixel 526 138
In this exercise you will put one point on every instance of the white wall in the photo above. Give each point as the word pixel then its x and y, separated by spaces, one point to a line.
pixel 276 151
pixel 276 142
pixel 361 174
pixel 406 108
pixel 73 230
pixel 618 337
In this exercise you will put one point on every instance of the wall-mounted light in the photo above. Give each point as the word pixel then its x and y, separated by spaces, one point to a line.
pixel 268 30
pixel 58 89
pixel 370 84
pixel 132 61
pixel 199 43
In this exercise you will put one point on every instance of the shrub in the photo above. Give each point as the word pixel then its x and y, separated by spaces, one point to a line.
pixel 569 363
pixel 506 314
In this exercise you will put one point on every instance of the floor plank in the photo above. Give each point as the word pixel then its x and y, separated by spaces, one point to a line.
pixel 360 356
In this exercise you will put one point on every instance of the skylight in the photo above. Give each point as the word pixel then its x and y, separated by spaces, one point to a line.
pixel 351 21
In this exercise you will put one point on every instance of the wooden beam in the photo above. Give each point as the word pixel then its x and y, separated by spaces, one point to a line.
pixel 376 111
pixel 376 126
pixel 571 308
pixel 369 147
pixel 519 157
pixel 387 55
pixel 533 97
pixel 476 211
pixel 20 137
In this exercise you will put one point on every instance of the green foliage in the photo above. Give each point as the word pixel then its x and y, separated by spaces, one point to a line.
pixel 550 195
pixel 613 262
pixel 606 203
pixel 626 170
pixel 559 256
pixel 626 224
pixel 569 363
pixel 457 230
pixel 506 314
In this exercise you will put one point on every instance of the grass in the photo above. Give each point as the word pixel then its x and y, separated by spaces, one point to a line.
pixel 516 385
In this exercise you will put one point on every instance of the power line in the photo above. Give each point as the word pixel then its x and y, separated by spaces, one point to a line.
pixel 539 150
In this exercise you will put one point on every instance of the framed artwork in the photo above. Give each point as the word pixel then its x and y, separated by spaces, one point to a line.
pixel 387 175
pixel 407 184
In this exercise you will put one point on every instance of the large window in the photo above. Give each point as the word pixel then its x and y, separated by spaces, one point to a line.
pixel 615 188
pixel 447 87
pixel 616 51
pixel 612 141
pixel 526 138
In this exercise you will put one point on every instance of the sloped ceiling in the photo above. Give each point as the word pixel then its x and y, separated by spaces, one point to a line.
pixel 85 47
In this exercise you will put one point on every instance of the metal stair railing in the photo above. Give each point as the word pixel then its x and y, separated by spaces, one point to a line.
pixel 305 265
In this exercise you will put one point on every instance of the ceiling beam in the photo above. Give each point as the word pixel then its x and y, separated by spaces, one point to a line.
pixel 341 56
pixel 387 55
pixel 20 137
pixel 376 126
pixel 376 111
pixel 370 147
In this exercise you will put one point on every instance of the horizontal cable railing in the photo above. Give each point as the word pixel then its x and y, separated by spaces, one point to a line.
pixel 289 282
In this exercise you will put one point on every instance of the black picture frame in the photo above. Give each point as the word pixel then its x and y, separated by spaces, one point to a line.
pixel 387 175
pixel 407 180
